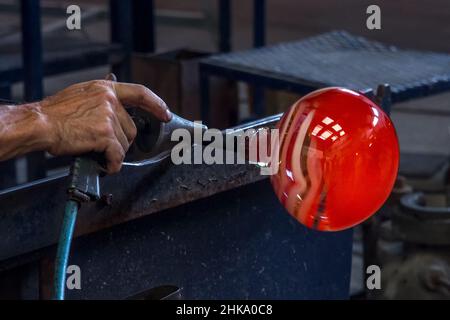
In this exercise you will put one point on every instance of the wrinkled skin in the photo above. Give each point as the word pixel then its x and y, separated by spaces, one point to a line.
pixel 85 117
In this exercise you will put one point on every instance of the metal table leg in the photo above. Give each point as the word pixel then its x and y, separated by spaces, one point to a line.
pixel 8 168
pixel 259 34
pixel 259 23
pixel 371 227
pixel 143 26
pixel 33 71
pixel 225 25
pixel 121 32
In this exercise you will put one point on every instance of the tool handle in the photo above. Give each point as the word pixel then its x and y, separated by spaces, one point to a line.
pixel 85 173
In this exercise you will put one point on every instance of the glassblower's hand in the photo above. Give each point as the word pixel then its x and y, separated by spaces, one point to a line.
pixel 90 117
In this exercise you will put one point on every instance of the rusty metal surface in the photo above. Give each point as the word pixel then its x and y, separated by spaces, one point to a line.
pixel 237 244
pixel 30 216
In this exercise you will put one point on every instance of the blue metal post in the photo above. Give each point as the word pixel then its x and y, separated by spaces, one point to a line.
pixel 143 26
pixel 259 23
pixel 32 49
pixel 224 25
pixel 7 168
pixel 122 33
pixel 33 71
pixel 259 39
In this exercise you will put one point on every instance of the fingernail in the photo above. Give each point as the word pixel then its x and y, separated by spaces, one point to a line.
pixel 111 77
pixel 168 115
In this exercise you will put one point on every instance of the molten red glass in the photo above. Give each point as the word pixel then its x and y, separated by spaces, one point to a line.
pixel 338 159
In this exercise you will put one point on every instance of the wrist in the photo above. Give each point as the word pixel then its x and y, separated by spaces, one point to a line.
pixel 40 133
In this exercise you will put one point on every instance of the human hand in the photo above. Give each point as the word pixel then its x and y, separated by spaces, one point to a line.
pixel 90 117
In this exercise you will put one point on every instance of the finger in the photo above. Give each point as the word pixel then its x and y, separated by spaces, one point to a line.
pixel 127 124
pixel 120 135
pixel 114 154
pixel 140 96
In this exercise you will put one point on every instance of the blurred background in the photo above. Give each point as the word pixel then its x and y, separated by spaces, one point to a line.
pixel 160 43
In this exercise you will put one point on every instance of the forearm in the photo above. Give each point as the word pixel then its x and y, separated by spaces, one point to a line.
pixel 23 129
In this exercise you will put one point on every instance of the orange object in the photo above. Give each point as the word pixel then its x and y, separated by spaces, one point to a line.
pixel 338 159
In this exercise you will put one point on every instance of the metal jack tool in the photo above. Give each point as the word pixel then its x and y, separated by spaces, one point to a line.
pixel 152 144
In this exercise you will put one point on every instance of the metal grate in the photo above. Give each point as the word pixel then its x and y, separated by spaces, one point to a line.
pixel 340 59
